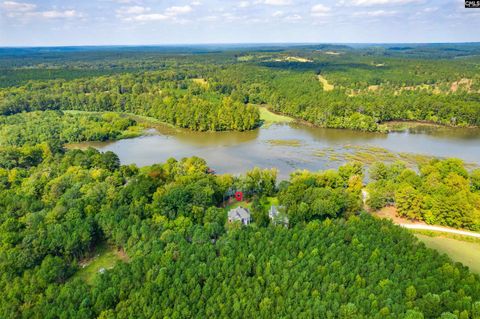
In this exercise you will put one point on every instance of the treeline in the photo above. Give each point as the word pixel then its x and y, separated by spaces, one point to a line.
pixel 299 93
pixel 185 261
pixel 212 91
pixel 165 95
pixel 442 192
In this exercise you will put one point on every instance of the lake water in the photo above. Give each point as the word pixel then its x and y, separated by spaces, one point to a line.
pixel 289 146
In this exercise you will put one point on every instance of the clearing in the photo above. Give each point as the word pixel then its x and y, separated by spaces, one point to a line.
pixel 104 257
pixel 461 246
pixel 294 59
pixel 326 86
pixel 330 52
pixel 465 252
pixel 269 117
pixel 391 213
pixel 200 81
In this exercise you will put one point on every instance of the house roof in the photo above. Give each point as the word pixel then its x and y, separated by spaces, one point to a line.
pixel 239 213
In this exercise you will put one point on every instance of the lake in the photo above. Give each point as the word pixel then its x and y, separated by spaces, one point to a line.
pixel 292 146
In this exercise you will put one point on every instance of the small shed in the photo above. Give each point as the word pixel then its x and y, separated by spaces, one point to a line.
pixel 239 214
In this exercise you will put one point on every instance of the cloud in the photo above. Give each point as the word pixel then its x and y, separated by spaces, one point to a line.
pixel 13 6
pixel 196 3
pixel 208 18
pixel 377 13
pixel 142 14
pixel 277 2
pixel 320 10
pixel 54 14
pixel 132 10
pixel 430 9
pixel 176 10
pixel 243 4
pixel 293 17
pixel 378 2
pixel 126 1
pixel 277 14
pixel 149 17
pixel 26 11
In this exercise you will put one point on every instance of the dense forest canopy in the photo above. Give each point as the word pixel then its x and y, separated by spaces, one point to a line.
pixel 185 261
pixel 210 88
pixel 174 253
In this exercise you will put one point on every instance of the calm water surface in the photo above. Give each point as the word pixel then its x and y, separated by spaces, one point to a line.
pixel 287 146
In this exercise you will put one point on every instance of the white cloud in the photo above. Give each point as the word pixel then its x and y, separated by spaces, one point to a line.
pixel 26 11
pixel 377 13
pixel 430 9
pixel 277 2
pixel 278 14
pixel 141 14
pixel 209 18
pixel 132 10
pixel 149 17
pixel 243 4
pixel 196 3
pixel 320 10
pixel 293 17
pixel 13 6
pixel 126 1
pixel 54 14
pixel 176 10
pixel 378 2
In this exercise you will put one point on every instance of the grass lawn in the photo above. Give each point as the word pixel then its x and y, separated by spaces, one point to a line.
pixel 104 257
pixel 245 204
pixel 268 117
pixel 468 253
pixel 235 204
pixel 272 201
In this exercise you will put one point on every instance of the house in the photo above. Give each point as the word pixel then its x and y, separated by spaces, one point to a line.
pixel 239 214
pixel 277 215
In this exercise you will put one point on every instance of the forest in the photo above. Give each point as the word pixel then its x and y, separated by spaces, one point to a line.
pixel 172 252
pixel 185 261
pixel 443 192
pixel 203 89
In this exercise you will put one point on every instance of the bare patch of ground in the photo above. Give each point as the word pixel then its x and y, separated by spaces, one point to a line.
pixel 390 212
pixel 462 83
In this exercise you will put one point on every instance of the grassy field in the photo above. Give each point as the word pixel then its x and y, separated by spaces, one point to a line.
pixel 326 86
pixel 104 257
pixel 468 253
pixel 268 117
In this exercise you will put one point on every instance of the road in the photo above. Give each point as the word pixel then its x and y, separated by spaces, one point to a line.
pixel 441 229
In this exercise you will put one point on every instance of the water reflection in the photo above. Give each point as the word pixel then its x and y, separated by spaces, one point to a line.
pixel 287 146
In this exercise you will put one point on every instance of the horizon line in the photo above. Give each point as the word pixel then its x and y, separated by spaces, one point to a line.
pixel 227 44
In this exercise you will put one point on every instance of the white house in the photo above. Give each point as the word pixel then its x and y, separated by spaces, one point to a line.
pixel 239 214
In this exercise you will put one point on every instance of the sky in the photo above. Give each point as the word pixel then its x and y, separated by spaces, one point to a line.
pixel 158 22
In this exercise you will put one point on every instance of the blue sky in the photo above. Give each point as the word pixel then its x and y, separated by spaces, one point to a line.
pixel 103 22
